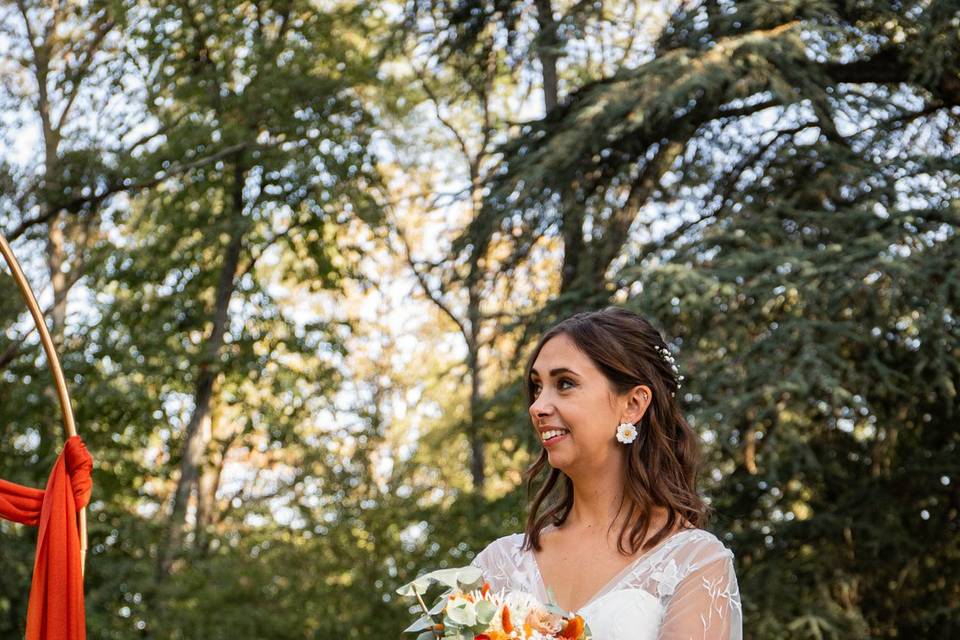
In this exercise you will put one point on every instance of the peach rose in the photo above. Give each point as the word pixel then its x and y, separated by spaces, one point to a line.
pixel 543 621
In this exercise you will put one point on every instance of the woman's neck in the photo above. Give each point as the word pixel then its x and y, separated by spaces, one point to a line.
pixel 597 497
pixel 597 503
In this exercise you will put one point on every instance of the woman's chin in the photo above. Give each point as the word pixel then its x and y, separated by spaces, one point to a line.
pixel 558 460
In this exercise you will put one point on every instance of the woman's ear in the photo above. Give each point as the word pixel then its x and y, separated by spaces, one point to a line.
pixel 638 399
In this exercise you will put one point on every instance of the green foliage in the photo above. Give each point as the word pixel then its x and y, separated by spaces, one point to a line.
pixel 807 273
pixel 816 319
pixel 774 184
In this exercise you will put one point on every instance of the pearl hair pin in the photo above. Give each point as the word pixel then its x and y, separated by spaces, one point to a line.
pixel 668 358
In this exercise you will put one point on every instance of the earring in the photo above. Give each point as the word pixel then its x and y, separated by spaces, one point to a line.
pixel 626 433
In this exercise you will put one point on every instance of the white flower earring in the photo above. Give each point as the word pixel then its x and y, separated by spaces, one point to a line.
pixel 626 433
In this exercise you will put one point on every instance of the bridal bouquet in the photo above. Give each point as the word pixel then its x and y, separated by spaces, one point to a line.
pixel 469 610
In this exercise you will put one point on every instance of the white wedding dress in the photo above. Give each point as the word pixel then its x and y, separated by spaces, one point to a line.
pixel 683 589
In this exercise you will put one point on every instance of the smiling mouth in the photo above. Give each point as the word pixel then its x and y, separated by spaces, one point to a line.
pixel 553 434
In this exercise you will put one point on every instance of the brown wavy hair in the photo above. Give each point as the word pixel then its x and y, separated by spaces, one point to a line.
pixel 663 461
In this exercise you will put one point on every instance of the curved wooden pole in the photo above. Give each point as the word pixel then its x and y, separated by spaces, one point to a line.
pixel 59 381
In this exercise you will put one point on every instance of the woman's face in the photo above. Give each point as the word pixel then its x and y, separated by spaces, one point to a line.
pixel 574 410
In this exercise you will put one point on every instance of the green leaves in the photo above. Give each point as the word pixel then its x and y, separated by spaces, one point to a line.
pixel 465 578
pixel 773 184
pixel 423 622
pixel 458 615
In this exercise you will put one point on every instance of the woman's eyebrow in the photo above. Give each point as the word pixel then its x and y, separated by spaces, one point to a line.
pixel 556 372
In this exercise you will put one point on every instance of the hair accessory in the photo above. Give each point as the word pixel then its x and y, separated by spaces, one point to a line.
pixel 667 357
pixel 626 433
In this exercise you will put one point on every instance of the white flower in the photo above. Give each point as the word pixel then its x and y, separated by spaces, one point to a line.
pixel 626 433
pixel 520 604
pixel 668 577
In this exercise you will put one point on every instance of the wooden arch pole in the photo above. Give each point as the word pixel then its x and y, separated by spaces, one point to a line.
pixel 59 381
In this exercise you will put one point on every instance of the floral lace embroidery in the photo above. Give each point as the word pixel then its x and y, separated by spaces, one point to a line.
pixel 667 578
pixel 691 574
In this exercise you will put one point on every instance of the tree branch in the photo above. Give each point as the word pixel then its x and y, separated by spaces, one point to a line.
pixel 887 67
pixel 408 255
pixel 446 123
pixel 76 75
pixel 77 204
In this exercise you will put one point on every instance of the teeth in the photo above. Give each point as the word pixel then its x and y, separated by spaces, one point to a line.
pixel 546 435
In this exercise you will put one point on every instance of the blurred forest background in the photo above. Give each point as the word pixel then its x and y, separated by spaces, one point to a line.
pixel 294 253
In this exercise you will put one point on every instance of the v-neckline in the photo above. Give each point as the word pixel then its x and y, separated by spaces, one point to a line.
pixel 616 578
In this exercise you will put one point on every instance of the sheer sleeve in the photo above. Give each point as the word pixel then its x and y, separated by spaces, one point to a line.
pixel 706 603
pixel 495 563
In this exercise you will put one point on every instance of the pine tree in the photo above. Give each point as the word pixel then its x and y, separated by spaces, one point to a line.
pixel 797 160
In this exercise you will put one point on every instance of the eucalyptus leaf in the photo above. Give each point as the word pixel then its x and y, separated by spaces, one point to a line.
pixel 438 606
pixel 451 629
pixel 421 585
pixel 454 578
pixel 486 610
pixel 459 577
pixel 469 585
pixel 463 614
pixel 423 622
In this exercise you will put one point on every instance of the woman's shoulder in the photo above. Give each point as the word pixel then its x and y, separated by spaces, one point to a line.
pixel 695 548
pixel 686 554
pixel 705 540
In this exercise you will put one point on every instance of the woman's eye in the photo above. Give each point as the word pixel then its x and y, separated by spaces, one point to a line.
pixel 560 385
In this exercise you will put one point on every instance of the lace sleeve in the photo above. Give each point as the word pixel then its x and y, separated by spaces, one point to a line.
pixel 493 562
pixel 706 603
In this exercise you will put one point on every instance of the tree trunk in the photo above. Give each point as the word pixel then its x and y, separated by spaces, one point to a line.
pixel 572 217
pixel 56 257
pixel 585 264
pixel 197 437
pixel 547 52
pixel 209 477
pixel 477 458
pixel 474 321
pixel 57 315
pixel 571 229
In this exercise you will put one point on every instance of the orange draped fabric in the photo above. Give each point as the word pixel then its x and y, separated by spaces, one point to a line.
pixel 56 608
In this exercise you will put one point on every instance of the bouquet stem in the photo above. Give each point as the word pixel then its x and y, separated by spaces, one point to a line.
pixel 438 628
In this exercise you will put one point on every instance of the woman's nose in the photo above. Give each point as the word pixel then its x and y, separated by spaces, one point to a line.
pixel 540 406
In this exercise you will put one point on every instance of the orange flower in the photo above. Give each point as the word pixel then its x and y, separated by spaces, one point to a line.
pixel 485 589
pixel 507 624
pixel 573 629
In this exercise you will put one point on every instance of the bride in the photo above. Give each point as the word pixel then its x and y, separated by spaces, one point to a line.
pixel 613 532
